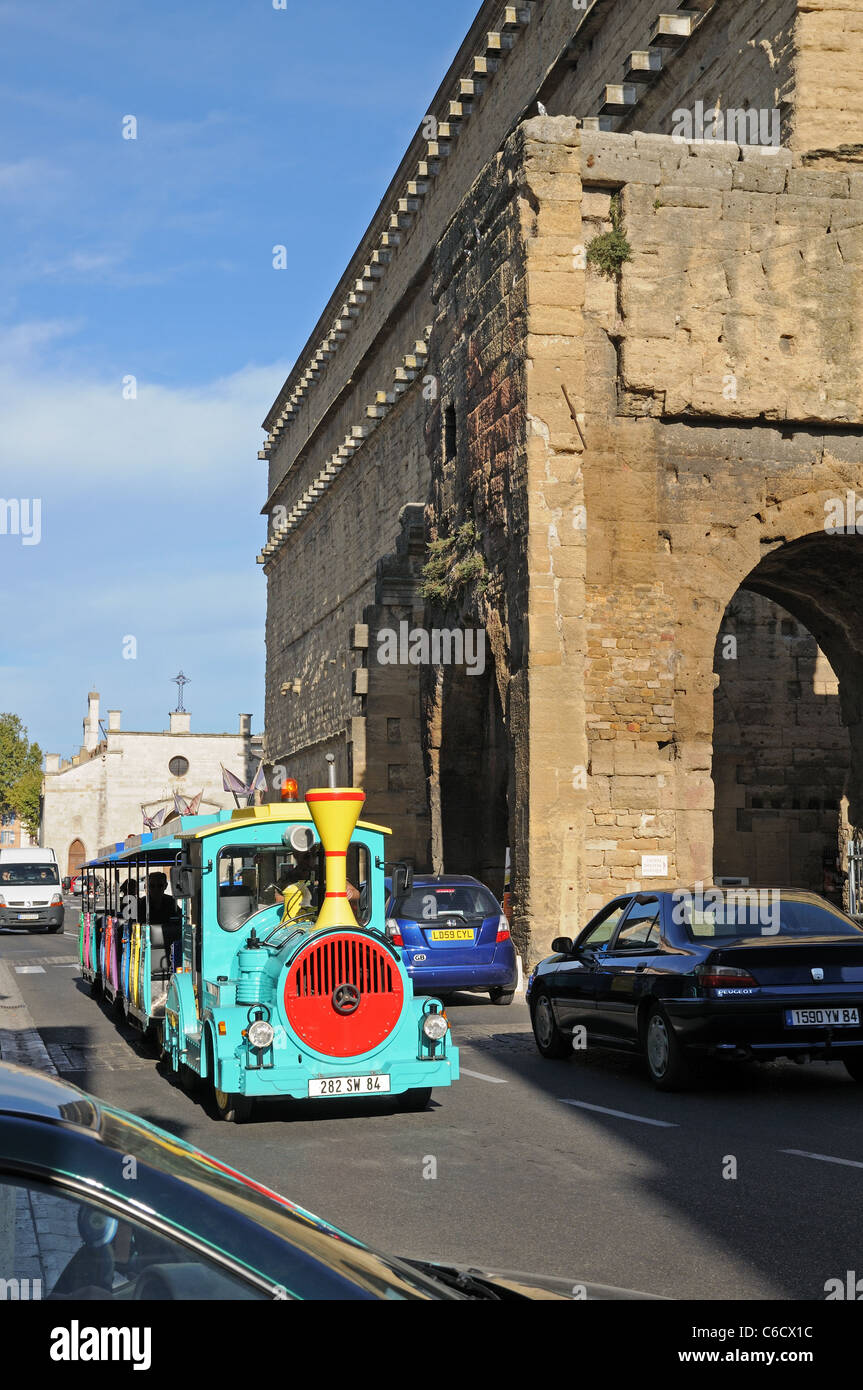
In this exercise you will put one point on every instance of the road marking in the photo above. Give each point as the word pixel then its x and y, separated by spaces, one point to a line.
pixel 29 970
pixel 620 1114
pixel 823 1158
pixel 481 1076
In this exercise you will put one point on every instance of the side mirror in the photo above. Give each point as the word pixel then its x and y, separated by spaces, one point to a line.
pixel 562 945
pixel 182 881
pixel 403 880
pixel 67 884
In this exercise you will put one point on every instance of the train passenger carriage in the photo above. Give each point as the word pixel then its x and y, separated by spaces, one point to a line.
pixel 252 944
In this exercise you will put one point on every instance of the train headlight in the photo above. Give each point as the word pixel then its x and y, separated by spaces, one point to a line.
pixel 435 1027
pixel 261 1035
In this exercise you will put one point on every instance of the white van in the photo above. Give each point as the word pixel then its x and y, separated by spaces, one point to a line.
pixel 30 891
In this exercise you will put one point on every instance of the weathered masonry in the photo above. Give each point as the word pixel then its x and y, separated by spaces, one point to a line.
pixel 612 474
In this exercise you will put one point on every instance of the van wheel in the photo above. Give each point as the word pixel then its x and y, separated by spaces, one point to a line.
pixel 56 931
pixel 498 995
pixel 854 1067
pixel 549 1039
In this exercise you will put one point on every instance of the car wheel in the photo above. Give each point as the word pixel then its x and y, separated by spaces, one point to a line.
pixel 854 1067
pixel 233 1108
pixel 417 1099
pixel 668 1067
pixel 501 996
pixel 549 1039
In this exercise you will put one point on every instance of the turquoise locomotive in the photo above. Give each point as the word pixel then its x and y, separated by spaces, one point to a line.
pixel 265 972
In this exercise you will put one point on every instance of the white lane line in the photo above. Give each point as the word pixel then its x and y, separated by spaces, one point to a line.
pixel 823 1158
pixel 29 970
pixel 481 1076
pixel 620 1114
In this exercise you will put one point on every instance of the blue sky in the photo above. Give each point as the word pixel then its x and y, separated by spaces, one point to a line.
pixel 152 258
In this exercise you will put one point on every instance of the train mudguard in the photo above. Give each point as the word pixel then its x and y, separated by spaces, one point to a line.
pixel 181 1014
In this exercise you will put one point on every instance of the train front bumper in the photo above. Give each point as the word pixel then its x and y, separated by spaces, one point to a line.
pixel 301 1080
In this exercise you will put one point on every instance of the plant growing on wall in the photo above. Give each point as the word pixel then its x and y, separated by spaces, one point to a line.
pixel 454 564
pixel 608 251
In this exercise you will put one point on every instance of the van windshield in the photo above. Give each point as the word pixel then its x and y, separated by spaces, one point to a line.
pixel 31 874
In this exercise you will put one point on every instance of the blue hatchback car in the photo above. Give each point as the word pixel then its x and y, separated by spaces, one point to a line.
pixel 453 935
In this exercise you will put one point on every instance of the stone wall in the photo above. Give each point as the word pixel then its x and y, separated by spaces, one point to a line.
pixel 699 379
pixel 717 388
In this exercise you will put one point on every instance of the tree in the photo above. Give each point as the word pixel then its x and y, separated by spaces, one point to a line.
pixel 20 773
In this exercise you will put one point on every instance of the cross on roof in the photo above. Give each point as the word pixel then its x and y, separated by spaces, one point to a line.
pixel 180 681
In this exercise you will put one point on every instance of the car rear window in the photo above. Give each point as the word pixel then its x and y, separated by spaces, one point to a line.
pixel 759 912
pixel 426 904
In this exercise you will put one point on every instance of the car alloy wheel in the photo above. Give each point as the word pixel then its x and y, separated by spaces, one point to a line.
pixel 544 1022
pixel 657 1045
pixel 669 1068
pixel 549 1039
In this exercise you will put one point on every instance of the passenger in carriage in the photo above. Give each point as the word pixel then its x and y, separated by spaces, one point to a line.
pixel 164 913
pixel 128 899
pixel 162 906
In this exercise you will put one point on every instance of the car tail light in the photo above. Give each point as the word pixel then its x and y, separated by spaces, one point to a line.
pixel 724 977
pixel 394 933
pixel 503 932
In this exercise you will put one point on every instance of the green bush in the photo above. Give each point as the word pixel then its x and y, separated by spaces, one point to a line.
pixel 455 563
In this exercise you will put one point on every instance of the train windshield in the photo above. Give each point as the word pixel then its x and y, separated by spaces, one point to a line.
pixel 254 876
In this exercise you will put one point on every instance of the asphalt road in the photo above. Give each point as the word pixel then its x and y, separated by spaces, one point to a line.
pixel 577 1168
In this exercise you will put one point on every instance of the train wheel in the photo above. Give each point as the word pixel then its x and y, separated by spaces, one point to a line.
pixel 234 1108
pixel 416 1099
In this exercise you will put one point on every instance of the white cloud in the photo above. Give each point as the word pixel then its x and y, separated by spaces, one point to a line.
pixel 77 429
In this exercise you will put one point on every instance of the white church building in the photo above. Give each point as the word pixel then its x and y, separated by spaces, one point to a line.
pixel 101 796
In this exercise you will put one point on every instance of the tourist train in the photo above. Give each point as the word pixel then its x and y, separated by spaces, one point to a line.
pixel 239 943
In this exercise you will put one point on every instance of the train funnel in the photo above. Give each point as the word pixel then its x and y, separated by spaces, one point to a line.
pixel 335 812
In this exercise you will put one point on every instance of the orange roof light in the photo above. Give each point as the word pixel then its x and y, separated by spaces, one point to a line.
pixel 289 790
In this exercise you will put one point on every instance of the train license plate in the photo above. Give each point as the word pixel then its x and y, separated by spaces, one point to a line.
pixel 457 934
pixel 349 1086
pixel 822 1018
pixel 28 916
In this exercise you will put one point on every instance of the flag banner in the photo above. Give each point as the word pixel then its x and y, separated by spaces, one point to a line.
pixel 259 781
pixel 194 803
pixel 180 806
pixel 230 783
